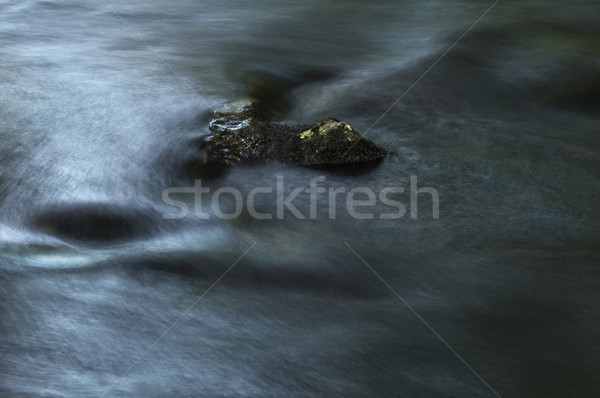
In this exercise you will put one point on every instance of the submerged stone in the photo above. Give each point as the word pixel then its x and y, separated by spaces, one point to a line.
pixel 94 222
pixel 244 135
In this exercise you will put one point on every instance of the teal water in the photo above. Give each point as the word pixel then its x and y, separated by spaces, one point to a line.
pixel 96 123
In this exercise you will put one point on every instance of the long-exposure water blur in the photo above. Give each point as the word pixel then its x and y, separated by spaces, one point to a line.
pixel 471 270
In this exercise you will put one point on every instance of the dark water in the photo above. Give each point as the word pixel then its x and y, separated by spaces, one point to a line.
pixel 95 125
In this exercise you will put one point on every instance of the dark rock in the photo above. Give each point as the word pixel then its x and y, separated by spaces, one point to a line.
pixel 94 222
pixel 335 143
pixel 244 135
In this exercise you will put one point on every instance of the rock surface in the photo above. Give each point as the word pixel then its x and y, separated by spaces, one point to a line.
pixel 334 142
pixel 244 135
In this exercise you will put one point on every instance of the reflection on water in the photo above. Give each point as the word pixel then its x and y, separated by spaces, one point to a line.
pixel 95 126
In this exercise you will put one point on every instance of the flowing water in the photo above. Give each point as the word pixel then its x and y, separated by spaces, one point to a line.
pixel 101 110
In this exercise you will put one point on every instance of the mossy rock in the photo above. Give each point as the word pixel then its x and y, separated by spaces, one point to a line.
pixel 332 142
pixel 245 135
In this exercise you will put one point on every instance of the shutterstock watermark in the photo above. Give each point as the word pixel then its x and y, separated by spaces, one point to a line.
pixel 362 203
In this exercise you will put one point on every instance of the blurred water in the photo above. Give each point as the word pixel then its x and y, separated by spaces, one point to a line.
pixel 95 126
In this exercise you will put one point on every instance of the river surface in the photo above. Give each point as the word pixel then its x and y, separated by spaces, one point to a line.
pixel 102 106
